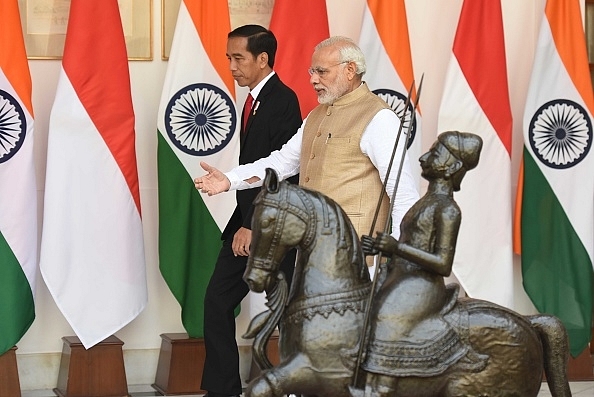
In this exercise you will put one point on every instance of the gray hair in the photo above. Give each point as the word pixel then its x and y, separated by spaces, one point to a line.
pixel 349 51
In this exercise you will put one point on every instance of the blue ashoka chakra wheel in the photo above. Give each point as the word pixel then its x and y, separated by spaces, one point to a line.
pixel 397 101
pixel 560 133
pixel 200 119
pixel 13 126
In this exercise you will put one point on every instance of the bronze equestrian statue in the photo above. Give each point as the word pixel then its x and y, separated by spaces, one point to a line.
pixel 421 339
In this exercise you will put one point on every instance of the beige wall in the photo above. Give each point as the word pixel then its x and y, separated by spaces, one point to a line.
pixel 432 25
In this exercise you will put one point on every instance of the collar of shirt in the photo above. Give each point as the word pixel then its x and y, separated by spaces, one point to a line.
pixel 256 91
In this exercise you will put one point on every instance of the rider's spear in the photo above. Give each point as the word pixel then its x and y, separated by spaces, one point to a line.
pixel 402 157
pixel 362 344
pixel 379 202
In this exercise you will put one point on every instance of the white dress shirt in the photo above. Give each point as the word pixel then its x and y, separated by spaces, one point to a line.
pixel 377 143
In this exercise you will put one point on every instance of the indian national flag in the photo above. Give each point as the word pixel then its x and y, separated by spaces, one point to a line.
pixel 385 42
pixel 197 121
pixel 92 250
pixel 557 205
pixel 18 192
pixel 476 100
pixel 293 56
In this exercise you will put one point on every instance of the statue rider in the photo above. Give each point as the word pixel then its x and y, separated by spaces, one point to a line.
pixel 408 335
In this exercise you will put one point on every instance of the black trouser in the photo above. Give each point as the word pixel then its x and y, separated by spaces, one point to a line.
pixel 226 289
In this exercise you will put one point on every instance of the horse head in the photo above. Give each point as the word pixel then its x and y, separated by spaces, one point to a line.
pixel 281 221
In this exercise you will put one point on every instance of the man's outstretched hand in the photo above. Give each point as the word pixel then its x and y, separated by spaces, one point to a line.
pixel 214 182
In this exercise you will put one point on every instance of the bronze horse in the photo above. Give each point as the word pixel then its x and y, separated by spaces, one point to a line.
pixel 321 318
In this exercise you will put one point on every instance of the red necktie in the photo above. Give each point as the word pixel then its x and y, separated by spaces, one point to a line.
pixel 247 108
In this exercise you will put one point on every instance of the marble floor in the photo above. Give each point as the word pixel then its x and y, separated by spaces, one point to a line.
pixel 579 389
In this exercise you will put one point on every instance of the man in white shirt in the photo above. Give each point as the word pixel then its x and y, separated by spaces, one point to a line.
pixel 342 149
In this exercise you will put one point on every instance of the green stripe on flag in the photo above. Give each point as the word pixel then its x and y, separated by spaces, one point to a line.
pixel 556 268
pixel 17 310
pixel 189 238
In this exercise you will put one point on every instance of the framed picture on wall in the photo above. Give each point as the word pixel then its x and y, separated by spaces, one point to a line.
pixel 169 11
pixel 241 13
pixel 45 22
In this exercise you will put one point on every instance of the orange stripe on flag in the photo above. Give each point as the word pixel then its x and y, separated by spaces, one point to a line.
pixel 571 45
pixel 13 58
pixel 518 211
pixel 211 19
pixel 391 23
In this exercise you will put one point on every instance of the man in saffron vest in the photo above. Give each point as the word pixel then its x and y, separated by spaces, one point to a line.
pixel 342 149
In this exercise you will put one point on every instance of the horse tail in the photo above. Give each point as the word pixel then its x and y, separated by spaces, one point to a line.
pixel 553 337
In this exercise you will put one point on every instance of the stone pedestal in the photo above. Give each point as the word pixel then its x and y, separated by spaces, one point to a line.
pixel 96 372
pixel 9 375
pixel 181 360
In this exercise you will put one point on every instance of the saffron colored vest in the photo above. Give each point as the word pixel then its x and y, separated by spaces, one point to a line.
pixel 333 164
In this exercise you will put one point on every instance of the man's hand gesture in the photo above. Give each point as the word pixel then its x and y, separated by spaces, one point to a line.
pixel 214 182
